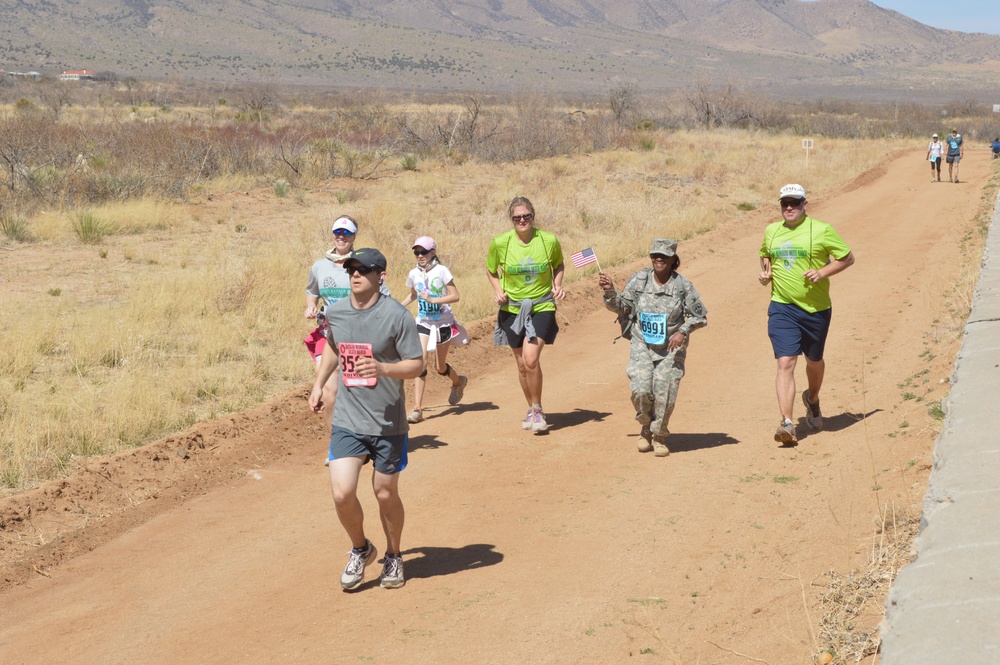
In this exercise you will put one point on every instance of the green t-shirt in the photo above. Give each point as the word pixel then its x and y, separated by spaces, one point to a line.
pixel 810 245
pixel 525 271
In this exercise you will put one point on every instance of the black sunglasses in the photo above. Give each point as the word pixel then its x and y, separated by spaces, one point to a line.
pixel 364 270
pixel 790 203
pixel 421 252
pixel 527 217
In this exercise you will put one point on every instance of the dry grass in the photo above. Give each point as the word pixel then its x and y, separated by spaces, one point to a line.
pixel 191 310
pixel 853 603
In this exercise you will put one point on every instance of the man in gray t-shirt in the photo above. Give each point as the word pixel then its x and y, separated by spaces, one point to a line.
pixel 377 348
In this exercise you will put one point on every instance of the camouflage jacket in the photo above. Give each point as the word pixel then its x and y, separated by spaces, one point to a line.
pixel 659 311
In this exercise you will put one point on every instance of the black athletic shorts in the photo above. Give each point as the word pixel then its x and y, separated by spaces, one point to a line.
pixel 545 327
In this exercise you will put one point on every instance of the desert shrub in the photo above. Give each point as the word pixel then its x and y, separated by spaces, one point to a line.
pixel 409 162
pixel 90 228
pixel 15 228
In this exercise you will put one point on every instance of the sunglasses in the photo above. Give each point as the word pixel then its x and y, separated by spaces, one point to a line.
pixel 364 270
pixel 790 203
pixel 342 233
pixel 422 252
pixel 527 217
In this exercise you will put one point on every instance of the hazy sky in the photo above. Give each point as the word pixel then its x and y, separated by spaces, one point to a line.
pixel 964 15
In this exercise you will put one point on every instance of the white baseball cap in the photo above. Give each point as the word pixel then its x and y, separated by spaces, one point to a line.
pixel 792 191
pixel 344 223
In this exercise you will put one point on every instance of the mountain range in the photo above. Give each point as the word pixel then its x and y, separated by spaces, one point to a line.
pixel 555 45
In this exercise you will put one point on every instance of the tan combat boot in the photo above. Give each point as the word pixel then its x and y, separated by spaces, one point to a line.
pixel 645 443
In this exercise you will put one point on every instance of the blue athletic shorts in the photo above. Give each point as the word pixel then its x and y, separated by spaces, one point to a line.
pixel 793 330
pixel 388 453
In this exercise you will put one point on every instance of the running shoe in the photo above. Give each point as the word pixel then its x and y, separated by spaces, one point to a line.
pixel 354 573
pixel 392 573
pixel 529 419
pixel 813 415
pixel 645 442
pixel 538 424
pixel 458 391
pixel 785 434
pixel 660 446
pixel 415 416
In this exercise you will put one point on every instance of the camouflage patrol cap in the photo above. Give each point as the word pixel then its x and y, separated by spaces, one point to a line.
pixel 664 246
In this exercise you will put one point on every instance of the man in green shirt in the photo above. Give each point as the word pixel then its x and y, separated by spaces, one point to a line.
pixel 797 258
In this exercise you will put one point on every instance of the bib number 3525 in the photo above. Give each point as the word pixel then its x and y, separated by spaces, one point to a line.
pixel 349 354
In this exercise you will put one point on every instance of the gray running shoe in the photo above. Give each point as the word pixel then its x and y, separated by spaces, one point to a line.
pixel 645 442
pixel 415 416
pixel 813 415
pixel 354 573
pixel 529 419
pixel 785 434
pixel 392 573
pixel 457 392
pixel 538 424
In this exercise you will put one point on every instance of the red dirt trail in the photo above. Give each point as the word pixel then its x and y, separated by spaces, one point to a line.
pixel 565 548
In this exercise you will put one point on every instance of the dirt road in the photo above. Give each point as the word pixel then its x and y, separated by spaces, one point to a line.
pixel 221 544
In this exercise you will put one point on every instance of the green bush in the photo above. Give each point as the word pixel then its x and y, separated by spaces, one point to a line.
pixel 409 162
pixel 90 228
pixel 15 228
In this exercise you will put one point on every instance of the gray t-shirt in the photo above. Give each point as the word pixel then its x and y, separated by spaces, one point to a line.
pixel 328 280
pixel 378 410
pixel 954 145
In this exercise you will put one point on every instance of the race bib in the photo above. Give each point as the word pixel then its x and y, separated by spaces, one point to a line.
pixel 653 327
pixel 933 158
pixel 349 354
pixel 428 310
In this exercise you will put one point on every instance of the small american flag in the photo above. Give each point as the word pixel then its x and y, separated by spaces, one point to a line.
pixel 583 257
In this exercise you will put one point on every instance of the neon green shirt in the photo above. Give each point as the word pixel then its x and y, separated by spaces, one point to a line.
pixel 810 245
pixel 525 271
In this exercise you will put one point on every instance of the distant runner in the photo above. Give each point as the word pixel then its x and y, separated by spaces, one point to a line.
pixel 664 308
pixel 433 287
pixel 935 152
pixel 525 268
pixel 797 258
pixel 956 150
pixel 377 349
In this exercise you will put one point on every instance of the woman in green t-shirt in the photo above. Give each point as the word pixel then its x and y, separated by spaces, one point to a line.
pixel 525 265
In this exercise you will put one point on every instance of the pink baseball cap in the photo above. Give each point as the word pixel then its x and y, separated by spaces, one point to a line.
pixel 426 242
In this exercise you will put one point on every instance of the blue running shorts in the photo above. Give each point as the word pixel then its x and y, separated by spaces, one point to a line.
pixel 793 330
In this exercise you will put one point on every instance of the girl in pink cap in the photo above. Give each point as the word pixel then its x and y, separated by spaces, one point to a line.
pixel 433 287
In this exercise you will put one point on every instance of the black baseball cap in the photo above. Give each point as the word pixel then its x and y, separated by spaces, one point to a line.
pixel 369 257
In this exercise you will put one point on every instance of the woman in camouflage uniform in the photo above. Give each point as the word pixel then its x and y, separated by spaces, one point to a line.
pixel 665 308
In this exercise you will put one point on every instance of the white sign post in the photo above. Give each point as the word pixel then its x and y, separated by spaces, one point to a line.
pixel 807 144
pixel 996 108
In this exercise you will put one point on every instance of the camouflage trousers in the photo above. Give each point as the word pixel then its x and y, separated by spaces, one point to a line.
pixel 654 381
